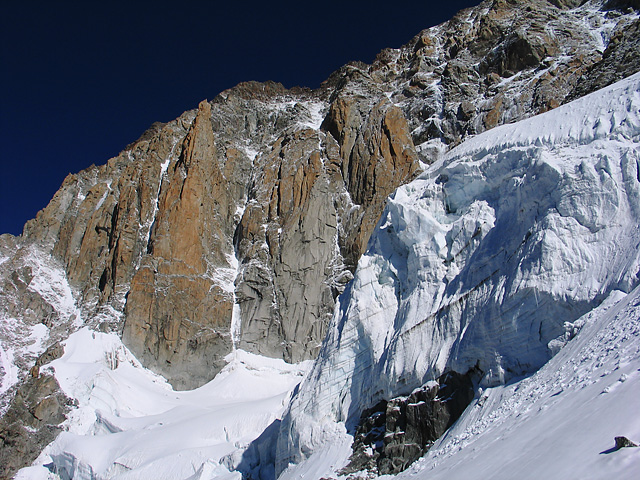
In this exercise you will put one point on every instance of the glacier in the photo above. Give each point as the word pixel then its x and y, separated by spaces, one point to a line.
pixel 486 261
pixel 557 423
pixel 561 421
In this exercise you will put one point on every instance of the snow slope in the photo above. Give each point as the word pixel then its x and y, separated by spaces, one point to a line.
pixel 483 261
pixel 130 423
pixel 561 421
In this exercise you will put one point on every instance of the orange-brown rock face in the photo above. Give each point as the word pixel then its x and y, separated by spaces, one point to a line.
pixel 309 218
pixel 377 155
pixel 98 223
pixel 178 325
pixel 177 310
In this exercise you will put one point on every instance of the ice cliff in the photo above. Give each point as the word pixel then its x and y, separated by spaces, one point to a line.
pixel 483 262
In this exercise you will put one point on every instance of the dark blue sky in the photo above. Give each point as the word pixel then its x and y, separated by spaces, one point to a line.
pixel 81 80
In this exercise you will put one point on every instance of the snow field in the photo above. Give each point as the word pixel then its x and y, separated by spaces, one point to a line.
pixel 130 423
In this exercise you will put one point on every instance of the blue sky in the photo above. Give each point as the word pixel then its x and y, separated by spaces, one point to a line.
pixel 80 81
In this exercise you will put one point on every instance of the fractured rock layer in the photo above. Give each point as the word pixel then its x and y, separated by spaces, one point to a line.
pixel 395 433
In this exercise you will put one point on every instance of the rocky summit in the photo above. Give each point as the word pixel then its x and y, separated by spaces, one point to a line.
pixel 238 224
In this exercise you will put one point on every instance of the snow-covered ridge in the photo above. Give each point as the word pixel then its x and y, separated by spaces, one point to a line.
pixel 482 260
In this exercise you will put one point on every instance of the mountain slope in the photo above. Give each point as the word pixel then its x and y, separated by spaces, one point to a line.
pixel 290 183
pixel 238 225
pixel 128 421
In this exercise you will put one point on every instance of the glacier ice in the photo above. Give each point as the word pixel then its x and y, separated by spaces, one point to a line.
pixel 481 261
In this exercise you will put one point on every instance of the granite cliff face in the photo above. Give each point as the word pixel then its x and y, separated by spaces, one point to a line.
pixel 239 223
pixel 177 311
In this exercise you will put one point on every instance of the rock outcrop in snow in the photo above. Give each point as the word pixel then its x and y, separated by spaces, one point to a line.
pixel 483 261
pixel 393 434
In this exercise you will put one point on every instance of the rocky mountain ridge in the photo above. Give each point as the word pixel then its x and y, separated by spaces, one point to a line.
pixel 238 224
pixel 241 176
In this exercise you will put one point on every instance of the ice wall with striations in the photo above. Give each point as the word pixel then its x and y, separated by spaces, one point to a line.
pixel 481 262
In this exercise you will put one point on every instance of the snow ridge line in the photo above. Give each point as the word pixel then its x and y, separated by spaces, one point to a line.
pixel 613 110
